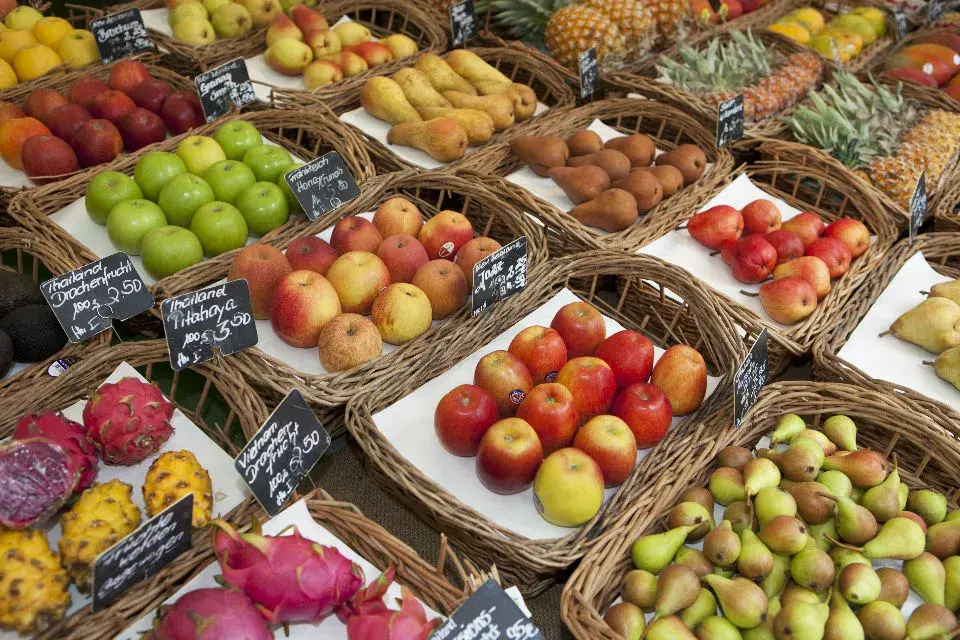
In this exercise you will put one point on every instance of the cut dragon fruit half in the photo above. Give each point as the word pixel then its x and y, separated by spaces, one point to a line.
pixel 68 434
pixel 36 479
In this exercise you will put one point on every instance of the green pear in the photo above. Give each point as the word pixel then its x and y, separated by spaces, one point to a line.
pixel 952 515
pixel 784 535
pixel 842 623
pixel 927 577
pixel 951 590
pixel 771 502
pixel 812 568
pixel 765 630
pixel 795 593
pixel 758 474
pixel 843 556
pixel 669 628
pixel 717 628
pixel 695 559
pixel 822 534
pixel 838 483
pixel 898 539
pixel 755 560
pixel 858 583
pixel 704 606
pixel 882 620
pixel 818 437
pixel 677 588
pixel 841 431
pixel 743 602
pixel 801 461
pixel 865 468
pixel 788 425
pixel 931 622
pixel 929 505
pixel 801 621
pixel 947 366
pixel 855 524
pixel 740 516
pixel 654 552
pixel 883 500
pixel 932 325
pixel 774 582
pixel 626 619
pixel 722 545
pixel 903 494
pixel 687 513
pixel 640 588
pixel 726 485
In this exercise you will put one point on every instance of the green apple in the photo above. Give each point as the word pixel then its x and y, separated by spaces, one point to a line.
pixel 106 191
pixel 199 153
pixel 167 250
pixel 264 207
pixel 182 196
pixel 228 179
pixel 220 228
pixel 130 221
pixel 268 162
pixel 155 169
pixel 292 202
pixel 236 136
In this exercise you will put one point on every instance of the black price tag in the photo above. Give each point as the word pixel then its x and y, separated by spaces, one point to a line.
pixel 589 72
pixel 500 275
pixel 934 10
pixel 729 121
pixel 489 614
pixel 463 22
pixel 282 452
pixel 143 553
pixel 119 35
pixel 225 87
pixel 87 301
pixel 749 379
pixel 918 206
pixel 323 185
pixel 218 316
pixel 900 18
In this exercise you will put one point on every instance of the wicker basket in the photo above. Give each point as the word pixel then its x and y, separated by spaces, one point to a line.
pixel 533 564
pixel 926 446
pixel 669 126
pixel 35 256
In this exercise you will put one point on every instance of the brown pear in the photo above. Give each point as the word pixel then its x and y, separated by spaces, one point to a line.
pixel 383 98
pixel 478 124
pixel 736 457
pixel 677 588
pixel 443 139
pixel 894 586
pixel 701 495
pixel 584 142
pixel 540 153
pixel 813 504
pixel 688 158
pixel 638 147
pixel 671 180
pixel 499 107
pixel 644 188
pixel 612 210
pixel 613 162
pixel 581 184
pixel 418 90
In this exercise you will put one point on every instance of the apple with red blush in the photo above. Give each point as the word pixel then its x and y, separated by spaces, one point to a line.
pixel 86 89
pixel 504 377
pixel 509 456
pixel 552 412
pixel 542 350
pixel 610 442
pixel 48 157
pixel 403 254
pixel 646 410
pixel 354 233
pixel 462 416
pixel 112 105
pixel 96 142
pixel 592 383
pixel 182 111
pixel 64 121
pixel 127 75
pixel 581 326
pixel 141 128
pixel 311 253
pixel 630 356
pixel 151 94
pixel 41 102
pixel 760 217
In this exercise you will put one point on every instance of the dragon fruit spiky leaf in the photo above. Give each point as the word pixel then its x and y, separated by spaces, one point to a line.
pixel 128 420
pixel 410 606
pixel 68 434
pixel 36 479
pixel 369 599
pixel 210 614
pixel 407 623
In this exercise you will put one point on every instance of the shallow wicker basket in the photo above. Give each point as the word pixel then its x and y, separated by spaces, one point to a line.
pixel 669 126
pixel 926 447
pixel 36 257
pixel 643 306
pixel 932 96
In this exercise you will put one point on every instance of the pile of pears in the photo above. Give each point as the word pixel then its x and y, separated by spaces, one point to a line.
pixel 804 522
pixel 934 326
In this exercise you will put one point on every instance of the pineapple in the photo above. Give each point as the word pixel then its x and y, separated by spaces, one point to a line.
pixel 102 516
pixel 634 20
pixel 33 585
pixel 575 28
pixel 172 476
pixel 668 14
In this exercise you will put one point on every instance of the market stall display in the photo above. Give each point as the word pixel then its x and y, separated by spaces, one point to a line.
pixel 852 39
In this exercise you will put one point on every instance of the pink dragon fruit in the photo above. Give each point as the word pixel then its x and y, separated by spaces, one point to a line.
pixel 289 578
pixel 128 421
pixel 368 618
pixel 68 434
pixel 210 614
pixel 36 479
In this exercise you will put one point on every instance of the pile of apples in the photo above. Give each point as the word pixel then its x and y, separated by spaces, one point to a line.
pixel 52 135
pixel 32 45
pixel 304 43
pixel 802 254
pixel 203 21
pixel 566 408
pixel 205 199
pixel 399 270
pixel 932 59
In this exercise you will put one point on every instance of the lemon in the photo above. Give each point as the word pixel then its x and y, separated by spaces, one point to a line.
pixel 793 30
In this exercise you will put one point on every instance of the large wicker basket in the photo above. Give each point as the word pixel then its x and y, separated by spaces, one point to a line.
pixel 925 445
pixel 668 125
pixel 644 306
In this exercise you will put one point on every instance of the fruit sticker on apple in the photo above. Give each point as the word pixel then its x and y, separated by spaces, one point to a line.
pixel 323 185
pixel 119 35
pixel 225 88
pixel 499 275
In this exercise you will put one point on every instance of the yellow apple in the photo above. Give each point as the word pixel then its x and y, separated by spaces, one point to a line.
pixel 23 17
pixel 79 49
pixel 51 30
pixel 347 341
pixel 12 40
pixel 401 312
pixel 33 62
pixel 7 77
pixel 568 489
pixel 358 276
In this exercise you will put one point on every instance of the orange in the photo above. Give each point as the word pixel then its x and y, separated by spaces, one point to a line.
pixel 14 133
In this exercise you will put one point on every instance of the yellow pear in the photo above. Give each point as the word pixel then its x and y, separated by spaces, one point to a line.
pixel 478 124
pixel 487 80
pixel 442 138
pixel 947 366
pixel 400 45
pixel 383 98
pixel 352 33
pixel 418 90
pixel 441 76
pixel 288 56
pixel 947 290
pixel 500 107
pixel 933 325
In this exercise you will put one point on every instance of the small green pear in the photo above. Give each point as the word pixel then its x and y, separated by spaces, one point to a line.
pixel 883 500
pixel 951 590
pixel 771 502
pixel 841 431
pixel 695 559
pixel 669 628
pixel 743 602
pixel 931 622
pixel 705 605
pixel 859 583
pixel 812 568
pixel 882 620
pixel 838 483
pixel 929 505
pixel 788 425
pixel 640 588
pixel 898 539
pixel 677 588
pixel 722 545
pixel 726 485
pixel 755 560
pixel 740 516
pixel 774 582
pixel 687 513
pixel 717 628
pixel 654 552
pixel 927 577
pixel 823 533
pixel 801 621
pixel 842 623
pixel 626 619
pixel 758 474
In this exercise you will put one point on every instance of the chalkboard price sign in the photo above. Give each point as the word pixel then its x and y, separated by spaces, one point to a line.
pixel 463 22
pixel 589 72
pixel 750 378
pixel 489 614
pixel 729 121
pixel 218 316
pixel 900 18
pixel 500 275
pixel 143 553
pixel 119 35
pixel 87 301
pixel 934 10
pixel 282 452
pixel 918 206
pixel 225 87
pixel 323 185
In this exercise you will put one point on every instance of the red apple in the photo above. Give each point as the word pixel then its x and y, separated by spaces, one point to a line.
pixel 786 243
pixel 630 355
pixel 113 106
pixel 263 267
pixel 808 227
pixel 788 300
pixel 716 226
pixel 551 411
pixel 681 373
pixel 64 121
pixel 810 268
pixel 463 415
pixel 47 156
pixel 354 233
pixel 311 253
pixel 303 302
pixel 445 286
pixel 582 328
pixel 404 255
pixel 509 456
pixel 834 253
pixel 852 233
pixel 85 90
pixel 760 216
pixel 752 259
pixel 505 378
pixel 41 102
pixel 96 142
pixel 127 75
pixel 182 111
pixel 444 234
pixel 612 445
pixel 646 410
pixel 592 384
pixel 473 252
pixel 141 128
pixel 151 94
pixel 542 350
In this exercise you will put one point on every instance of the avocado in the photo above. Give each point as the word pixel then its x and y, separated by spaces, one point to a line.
pixel 35 332
pixel 17 290
pixel 6 353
